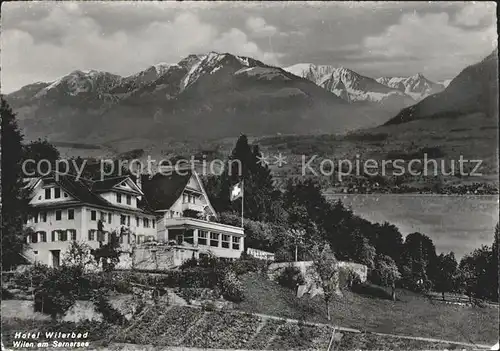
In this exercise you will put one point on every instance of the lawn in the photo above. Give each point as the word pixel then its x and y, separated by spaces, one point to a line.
pixel 412 315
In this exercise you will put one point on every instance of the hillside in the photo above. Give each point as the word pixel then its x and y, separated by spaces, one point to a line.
pixel 474 90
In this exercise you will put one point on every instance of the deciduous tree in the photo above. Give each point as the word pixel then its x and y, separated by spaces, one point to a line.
pixel 327 272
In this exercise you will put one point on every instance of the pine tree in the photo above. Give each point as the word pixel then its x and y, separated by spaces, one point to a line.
pixel 262 200
pixel 13 202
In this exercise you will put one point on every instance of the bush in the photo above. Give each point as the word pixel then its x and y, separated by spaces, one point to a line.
pixel 290 277
pixel 248 264
pixel 6 295
pixel 102 305
pixel 190 263
pixel 58 290
pixel 231 287
pixel 31 277
pixel 348 278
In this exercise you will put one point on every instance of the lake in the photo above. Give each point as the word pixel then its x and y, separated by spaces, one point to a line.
pixel 454 223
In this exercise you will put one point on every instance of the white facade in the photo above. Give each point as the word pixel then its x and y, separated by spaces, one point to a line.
pixel 59 217
pixel 207 236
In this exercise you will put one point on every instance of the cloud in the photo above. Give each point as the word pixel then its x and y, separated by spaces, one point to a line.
pixel 474 14
pixel 258 26
pixel 72 40
pixel 427 43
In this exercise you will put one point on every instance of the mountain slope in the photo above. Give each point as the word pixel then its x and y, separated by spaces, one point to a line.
pixel 416 86
pixel 474 90
pixel 202 96
pixel 353 87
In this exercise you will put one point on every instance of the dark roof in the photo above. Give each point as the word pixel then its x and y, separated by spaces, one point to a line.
pixel 162 191
pixel 80 189
pixel 107 184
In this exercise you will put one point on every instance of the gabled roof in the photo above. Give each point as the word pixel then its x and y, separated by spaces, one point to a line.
pixel 162 191
pixel 107 184
pixel 80 190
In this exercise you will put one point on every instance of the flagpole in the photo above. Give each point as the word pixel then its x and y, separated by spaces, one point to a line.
pixel 242 200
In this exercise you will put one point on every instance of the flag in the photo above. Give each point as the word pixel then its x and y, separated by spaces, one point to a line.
pixel 236 192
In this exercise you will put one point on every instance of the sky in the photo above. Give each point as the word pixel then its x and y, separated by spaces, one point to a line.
pixel 42 41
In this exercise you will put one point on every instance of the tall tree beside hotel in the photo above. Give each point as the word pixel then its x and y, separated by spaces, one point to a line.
pixel 261 198
pixel 13 203
pixel 41 150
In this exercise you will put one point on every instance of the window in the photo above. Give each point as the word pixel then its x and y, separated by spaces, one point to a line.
pixel 43 237
pixel 57 193
pixel 34 238
pixel 65 195
pixel 129 200
pixel 123 220
pixel 53 236
pixel 236 242
pixel 91 234
pixel 93 215
pixel 72 234
pixel 103 216
pixel 202 237
pixel 63 235
pixel 109 218
pixel 146 223
pixel 43 216
pixel 35 252
pixel 58 215
pixel 154 223
pixel 119 198
pixel 214 239
pixel 128 221
pixel 184 197
pixel 225 241
pixel 47 194
pixel 71 214
pixel 35 217
pixel 136 221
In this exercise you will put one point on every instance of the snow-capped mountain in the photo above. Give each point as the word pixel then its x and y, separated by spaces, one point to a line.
pixel 349 85
pixel 314 73
pixel 138 80
pixel 206 95
pixel 359 88
pixel 78 82
pixel 416 86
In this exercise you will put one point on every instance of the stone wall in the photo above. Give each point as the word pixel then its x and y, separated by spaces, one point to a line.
pixel 156 257
pixel 310 275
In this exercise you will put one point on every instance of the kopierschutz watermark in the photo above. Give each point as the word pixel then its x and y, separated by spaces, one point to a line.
pixel 397 167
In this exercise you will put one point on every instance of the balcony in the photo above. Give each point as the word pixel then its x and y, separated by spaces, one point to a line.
pixel 193 207
pixel 186 222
